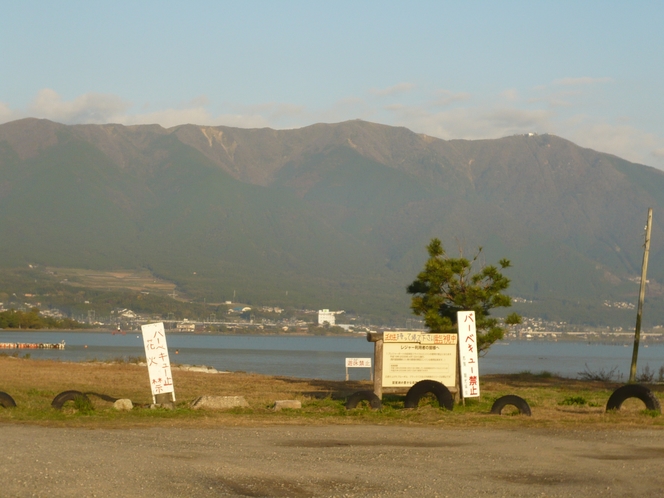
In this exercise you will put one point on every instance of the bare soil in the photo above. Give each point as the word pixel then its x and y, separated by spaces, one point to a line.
pixel 333 460
pixel 138 280
pixel 321 450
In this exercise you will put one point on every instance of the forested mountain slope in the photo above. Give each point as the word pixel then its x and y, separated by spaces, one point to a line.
pixel 331 215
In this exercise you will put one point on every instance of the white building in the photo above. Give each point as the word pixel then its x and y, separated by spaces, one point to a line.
pixel 186 326
pixel 325 316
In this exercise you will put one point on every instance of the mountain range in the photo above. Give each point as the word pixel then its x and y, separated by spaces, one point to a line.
pixel 331 215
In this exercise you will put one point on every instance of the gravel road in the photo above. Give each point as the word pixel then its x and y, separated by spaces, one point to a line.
pixel 353 461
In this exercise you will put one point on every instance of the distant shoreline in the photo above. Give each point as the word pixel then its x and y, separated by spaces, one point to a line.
pixel 169 332
pixel 580 337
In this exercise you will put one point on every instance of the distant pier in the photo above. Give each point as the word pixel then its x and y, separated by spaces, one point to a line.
pixel 32 345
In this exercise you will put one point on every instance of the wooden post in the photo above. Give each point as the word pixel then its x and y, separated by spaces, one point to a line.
pixel 378 368
pixel 164 399
pixel 459 394
pixel 642 293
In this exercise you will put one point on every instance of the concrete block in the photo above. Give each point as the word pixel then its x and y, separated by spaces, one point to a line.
pixel 292 404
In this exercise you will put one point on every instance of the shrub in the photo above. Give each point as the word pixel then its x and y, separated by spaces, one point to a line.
pixel 646 376
pixel 601 375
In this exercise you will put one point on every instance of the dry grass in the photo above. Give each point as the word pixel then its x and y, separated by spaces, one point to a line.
pixel 555 402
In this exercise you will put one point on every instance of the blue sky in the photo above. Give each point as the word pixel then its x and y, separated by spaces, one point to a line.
pixel 591 72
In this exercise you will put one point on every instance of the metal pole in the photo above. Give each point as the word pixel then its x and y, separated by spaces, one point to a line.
pixel 642 294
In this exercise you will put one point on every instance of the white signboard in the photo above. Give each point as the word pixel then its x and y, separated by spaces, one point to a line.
pixel 470 374
pixel 156 354
pixel 358 362
pixel 409 357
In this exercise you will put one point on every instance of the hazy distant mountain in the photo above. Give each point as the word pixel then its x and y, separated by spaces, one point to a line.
pixel 331 215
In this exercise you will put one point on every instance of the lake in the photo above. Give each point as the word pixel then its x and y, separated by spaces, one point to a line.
pixel 324 357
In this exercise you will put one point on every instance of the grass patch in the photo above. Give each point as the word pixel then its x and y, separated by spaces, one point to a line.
pixel 81 405
pixel 574 400
pixel 554 401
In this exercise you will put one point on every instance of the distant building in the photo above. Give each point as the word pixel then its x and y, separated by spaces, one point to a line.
pixel 239 309
pixel 186 326
pixel 125 313
pixel 326 316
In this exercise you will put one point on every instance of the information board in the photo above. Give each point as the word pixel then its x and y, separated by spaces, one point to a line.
pixel 409 357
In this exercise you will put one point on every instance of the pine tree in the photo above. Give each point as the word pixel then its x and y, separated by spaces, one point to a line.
pixel 447 285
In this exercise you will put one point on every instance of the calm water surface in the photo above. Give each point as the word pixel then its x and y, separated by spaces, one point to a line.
pixel 324 357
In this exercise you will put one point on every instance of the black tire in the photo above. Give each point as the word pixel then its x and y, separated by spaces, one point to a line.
pixel 633 391
pixel 6 400
pixel 370 396
pixel 511 399
pixel 59 401
pixel 105 397
pixel 442 394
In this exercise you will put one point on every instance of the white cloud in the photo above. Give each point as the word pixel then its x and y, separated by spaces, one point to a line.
pixel 199 116
pixel 288 111
pixel 442 113
pixel 490 121
pixel 585 80
pixel 445 97
pixel 341 110
pixel 170 117
pixel 623 141
pixel 7 114
pixel 509 114
pixel 393 90
pixel 555 98
pixel 510 94
pixel 87 108
pixel 94 108
pixel 201 100
pixel 243 121
pixel 267 114
pixel 551 101
pixel 519 119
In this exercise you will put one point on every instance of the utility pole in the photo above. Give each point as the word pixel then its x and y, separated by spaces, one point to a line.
pixel 642 294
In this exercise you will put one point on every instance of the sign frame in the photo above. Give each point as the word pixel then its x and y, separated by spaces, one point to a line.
pixel 359 363
pixel 382 341
pixel 469 373
pixel 158 360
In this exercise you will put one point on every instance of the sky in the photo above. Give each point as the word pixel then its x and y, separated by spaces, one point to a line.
pixel 591 72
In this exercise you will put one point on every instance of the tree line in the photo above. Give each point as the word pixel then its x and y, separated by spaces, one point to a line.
pixel 16 319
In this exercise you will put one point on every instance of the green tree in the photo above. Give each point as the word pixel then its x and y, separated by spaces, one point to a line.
pixel 447 285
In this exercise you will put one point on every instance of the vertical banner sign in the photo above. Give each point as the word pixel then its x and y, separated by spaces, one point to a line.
pixel 470 375
pixel 156 354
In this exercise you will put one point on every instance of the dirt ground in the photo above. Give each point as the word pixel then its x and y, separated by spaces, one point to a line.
pixel 312 461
